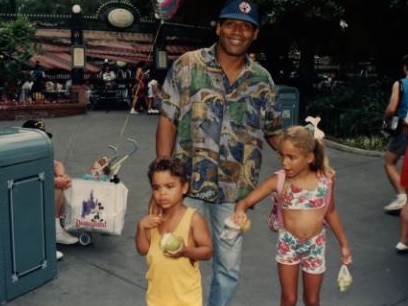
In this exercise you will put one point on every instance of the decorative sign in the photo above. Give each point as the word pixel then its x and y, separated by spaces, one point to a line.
pixel 78 57
pixel 161 59
pixel 121 18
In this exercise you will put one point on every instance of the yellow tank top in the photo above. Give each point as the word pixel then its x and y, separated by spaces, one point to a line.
pixel 172 282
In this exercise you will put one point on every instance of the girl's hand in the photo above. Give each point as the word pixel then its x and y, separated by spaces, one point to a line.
pixel 239 217
pixel 346 256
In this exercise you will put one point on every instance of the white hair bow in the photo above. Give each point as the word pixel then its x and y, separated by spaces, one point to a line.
pixel 312 126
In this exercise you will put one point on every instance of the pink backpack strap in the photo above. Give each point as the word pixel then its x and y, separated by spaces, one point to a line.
pixel 279 186
pixel 329 183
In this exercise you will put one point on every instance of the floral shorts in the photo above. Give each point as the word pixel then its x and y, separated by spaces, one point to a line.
pixel 309 253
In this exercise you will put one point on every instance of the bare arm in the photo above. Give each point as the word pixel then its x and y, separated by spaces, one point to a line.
pixel 333 219
pixel 253 198
pixel 61 179
pixel 142 237
pixel 203 248
pixel 165 137
pixel 393 103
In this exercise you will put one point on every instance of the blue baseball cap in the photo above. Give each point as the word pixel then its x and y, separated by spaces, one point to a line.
pixel 241 10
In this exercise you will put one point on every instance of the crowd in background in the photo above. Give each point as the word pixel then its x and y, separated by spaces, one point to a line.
pixel 118 82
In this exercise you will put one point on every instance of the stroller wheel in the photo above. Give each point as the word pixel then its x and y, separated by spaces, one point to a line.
pixel 85 238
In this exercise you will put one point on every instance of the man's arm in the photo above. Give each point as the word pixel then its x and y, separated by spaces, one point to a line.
pixel 273 141
pixel 165 137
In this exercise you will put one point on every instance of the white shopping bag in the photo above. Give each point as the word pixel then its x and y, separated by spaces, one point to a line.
pixel 95 206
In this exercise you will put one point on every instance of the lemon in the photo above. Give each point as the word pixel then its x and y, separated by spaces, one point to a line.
pixel 170 243
pixel 246 226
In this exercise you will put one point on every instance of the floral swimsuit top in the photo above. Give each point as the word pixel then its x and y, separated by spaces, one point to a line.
pixel 294 197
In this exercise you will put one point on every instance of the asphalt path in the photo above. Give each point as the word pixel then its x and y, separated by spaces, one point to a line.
pixel 110 272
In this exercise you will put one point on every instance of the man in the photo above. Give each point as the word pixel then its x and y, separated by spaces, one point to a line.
pixel 397 106
pixel 61 182
pixel 217 106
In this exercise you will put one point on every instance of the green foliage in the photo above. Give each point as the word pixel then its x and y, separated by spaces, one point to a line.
pixel 352 113
pixel 16 40
pixel 354 110
pixel 306 9
pixel 373 143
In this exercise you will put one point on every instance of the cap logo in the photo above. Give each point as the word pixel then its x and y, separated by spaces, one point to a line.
pixel 245 7
pixel 40 125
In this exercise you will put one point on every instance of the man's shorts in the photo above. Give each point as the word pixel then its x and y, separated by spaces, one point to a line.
pixel 397 144
pixel 309 253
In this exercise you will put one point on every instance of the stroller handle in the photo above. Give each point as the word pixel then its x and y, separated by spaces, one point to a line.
pixel 134 146
pixel 116 167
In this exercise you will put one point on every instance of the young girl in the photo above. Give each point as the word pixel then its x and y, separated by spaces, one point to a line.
pixel 173 277
pixel 302 239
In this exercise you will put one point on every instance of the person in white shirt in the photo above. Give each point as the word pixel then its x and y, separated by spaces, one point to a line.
pixel 109 76
pixel 26 90
pixel 153 91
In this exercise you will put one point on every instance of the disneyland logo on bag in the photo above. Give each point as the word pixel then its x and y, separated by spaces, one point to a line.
pixel 87 223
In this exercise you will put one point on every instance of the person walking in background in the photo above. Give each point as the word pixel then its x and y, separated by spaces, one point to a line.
pixel 402 245
pixel 153 91
pixel 25 95
pixel 139 90
pixel 216 109
pixel 397 106
pixel 62 181
pixel 38 87
pixel 305 198
pixel 173 276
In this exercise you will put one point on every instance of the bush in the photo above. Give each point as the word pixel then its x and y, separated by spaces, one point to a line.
pixel 352 113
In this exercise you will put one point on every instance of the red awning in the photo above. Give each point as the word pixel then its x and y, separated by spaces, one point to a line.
pixel 58 55
pixel 58 60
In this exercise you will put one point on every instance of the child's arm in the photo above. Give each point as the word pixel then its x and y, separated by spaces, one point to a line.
pixel 333 219
pixel 253 198
pixel 142 238
pixel 61 179
pixel 202 248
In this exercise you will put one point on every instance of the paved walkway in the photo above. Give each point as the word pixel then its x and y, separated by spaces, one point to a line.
pixel 110 272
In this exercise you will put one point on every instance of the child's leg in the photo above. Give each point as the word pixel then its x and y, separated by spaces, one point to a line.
pixel 288 277
pixel 404 225
pixel 311 288
pixel 313 265
pixel 149 103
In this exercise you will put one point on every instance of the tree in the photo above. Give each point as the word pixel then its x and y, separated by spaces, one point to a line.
pixel 311 26
pixel 16 47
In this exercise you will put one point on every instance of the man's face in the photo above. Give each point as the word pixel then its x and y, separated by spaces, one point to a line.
pixel 236 36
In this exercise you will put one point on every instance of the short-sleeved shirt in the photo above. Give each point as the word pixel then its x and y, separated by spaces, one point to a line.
pixel 220 126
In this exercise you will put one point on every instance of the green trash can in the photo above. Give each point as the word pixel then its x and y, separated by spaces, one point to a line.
pixel 27 226
pixel 288 98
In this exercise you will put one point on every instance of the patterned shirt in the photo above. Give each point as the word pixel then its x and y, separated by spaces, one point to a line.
pixel 220 127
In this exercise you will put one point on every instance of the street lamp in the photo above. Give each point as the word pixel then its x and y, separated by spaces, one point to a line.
pixel 77 46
